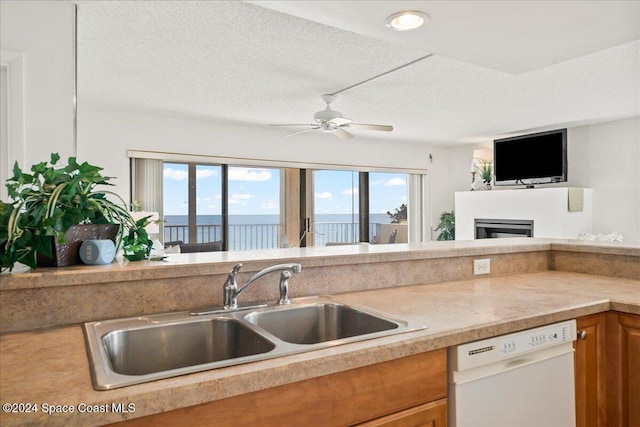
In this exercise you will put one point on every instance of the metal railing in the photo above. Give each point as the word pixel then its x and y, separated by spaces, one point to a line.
pixel 242 237
pixel 338 232
pixel 205 233
pixel 264 236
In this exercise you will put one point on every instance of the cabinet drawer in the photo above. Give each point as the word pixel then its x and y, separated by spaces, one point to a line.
pixel 432 414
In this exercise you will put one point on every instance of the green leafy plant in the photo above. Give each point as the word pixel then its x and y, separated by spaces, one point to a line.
pixel 399 215
pixel 447 226
pixel 48 201
pixel 136 206
pixel 486 170
pixel 136 244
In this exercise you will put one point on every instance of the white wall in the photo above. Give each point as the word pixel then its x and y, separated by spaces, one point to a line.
pixel 44 32
pixel 449 173
pixel 103 130
pixel 4 134
pixel 606 158
pixel 547 207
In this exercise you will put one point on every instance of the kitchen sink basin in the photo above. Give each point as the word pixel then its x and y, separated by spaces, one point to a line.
pixel 140 349
pixel 163 348
pixel 316 323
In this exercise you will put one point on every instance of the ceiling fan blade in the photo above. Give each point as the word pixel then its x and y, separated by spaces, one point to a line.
pixel 342 134
pixel 339 121
pixel 297 124
pixel 384 128
pixel 299 131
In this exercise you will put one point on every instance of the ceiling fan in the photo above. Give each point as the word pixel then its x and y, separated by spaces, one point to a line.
pixel 331 121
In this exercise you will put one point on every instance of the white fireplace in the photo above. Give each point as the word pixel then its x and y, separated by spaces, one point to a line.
pixel 547 209
pixel 498 228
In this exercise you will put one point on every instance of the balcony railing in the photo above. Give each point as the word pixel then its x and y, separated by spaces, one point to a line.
pixel 265 236
pixel 338 232
pixel 242 237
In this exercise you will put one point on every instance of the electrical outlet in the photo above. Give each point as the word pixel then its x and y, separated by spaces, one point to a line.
pixel 481 266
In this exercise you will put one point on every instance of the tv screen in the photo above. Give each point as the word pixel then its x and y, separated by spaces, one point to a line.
pixel 538 158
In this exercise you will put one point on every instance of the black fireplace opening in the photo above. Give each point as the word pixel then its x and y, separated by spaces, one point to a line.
pixel 497 228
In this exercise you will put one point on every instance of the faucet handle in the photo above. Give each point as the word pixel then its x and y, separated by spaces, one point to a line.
pixel 236 268
pixel 284 288
pixel 231 278
pixel 230 288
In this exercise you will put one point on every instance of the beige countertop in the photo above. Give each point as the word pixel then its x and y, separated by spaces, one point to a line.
pixel 51 366
pixel 208 263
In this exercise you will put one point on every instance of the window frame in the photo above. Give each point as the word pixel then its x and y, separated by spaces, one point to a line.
pixel 416 197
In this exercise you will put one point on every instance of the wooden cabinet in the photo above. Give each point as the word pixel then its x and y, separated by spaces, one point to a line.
pixel 401 387
pixel 411 391
pixel 607 370
pixel 432 414
pixel 623 369
pixel 590 371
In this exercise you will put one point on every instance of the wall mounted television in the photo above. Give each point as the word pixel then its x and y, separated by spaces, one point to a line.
pixel 537 158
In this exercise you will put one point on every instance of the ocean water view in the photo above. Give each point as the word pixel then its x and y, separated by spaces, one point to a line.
pixel 248 232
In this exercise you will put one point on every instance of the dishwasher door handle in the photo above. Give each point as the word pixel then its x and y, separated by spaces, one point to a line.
pixel 522 361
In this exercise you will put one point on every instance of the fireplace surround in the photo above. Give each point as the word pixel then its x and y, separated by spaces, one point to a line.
pixel 495 228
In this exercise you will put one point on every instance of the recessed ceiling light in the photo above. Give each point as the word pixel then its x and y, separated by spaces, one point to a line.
pixel 406 20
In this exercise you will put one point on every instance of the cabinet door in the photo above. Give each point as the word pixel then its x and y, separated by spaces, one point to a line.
pixel 623 369
pixel 590 371
pixel 432 414
pixel 341 399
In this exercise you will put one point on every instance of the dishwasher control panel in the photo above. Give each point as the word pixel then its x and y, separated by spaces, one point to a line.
pixel 539 338
pixel 494 349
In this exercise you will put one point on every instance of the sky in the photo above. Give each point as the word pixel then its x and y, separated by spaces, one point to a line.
pixel 255 191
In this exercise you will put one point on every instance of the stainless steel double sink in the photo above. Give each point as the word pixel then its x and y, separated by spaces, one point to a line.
pixel 135 350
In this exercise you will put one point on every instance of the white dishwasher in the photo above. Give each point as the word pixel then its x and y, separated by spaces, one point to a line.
pixel 524 379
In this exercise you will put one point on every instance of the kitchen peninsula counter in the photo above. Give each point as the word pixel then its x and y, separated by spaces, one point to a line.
pixel 210 263
pixel 50 366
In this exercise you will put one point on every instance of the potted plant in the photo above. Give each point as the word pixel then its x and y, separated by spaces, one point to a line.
pixel 447 226
pixel 49 202
pixel 136 244
pixel 486 172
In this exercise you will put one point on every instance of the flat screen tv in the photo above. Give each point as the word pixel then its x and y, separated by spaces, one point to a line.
pixel 538 158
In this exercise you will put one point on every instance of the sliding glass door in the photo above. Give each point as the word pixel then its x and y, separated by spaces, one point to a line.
pixel 335 215
pixel 243 208
pixel 208 204
pixel 238 208
pixel 388 207
pixel 352 207
pixel 175 202
pixel 254 208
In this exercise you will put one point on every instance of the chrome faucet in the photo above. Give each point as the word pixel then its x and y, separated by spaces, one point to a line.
pixel 231 290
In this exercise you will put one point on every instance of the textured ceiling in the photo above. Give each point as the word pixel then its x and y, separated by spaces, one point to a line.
pixel 242 62
pixel 513 36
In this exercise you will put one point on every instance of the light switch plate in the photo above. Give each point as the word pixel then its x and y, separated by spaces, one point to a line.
pixel 481 266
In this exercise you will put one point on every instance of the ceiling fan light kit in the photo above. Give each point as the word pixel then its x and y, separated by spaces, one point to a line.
pixel 327 114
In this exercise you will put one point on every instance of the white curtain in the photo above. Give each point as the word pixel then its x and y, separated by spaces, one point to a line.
pixel 418 206
pixel 146 186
